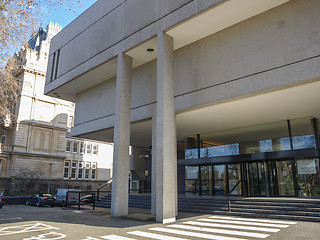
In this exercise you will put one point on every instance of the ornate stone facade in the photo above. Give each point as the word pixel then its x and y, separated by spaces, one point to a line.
pixel 34 147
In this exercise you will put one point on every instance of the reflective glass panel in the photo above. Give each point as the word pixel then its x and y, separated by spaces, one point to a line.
pixel 285 178
pixel 302 133
pixel 234 177
pixel 191 182
pixel 206 180
pixel 219 173
pixel 308 177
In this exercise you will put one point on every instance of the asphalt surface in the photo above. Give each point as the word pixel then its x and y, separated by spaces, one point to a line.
pixel 31 223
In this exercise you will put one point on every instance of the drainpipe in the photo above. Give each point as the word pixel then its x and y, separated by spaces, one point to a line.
pixel 49 178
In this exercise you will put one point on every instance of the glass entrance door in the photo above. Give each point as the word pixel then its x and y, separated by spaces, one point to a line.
pixel 219 173
pixel 271 178
pixel 285 178
pixel 234 177
pixel 257 179
pixel 206 180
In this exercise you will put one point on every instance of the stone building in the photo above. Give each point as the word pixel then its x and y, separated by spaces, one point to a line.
pixel 33 148
pixel 222 90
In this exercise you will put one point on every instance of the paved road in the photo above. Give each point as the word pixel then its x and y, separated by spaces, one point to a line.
pixel 32 223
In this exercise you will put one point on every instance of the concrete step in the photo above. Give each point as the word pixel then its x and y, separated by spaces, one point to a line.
pixel 282 208
pixel 257 215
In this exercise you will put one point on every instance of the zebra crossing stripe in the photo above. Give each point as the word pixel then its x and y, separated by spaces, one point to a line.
pixel 247 223
pixel 254 220
pixel 193 234
pixel 155 236
pixel 116 237
pixel 207 224
pixel 222 231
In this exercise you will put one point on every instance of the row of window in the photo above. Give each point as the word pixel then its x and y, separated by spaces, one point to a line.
pixel 80 170
pixel 75 147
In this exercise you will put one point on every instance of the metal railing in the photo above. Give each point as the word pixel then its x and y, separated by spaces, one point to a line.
pixel 103 185
pixel 79 198
pixel 229 193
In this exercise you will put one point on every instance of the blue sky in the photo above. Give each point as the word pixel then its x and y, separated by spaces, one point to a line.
pixel 62 15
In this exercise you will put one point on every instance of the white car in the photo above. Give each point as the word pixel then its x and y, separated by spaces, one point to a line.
pixel 61 196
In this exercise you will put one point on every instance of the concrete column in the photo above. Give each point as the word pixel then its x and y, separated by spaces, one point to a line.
pixel 120 179
pixel 175 151
pixel 154 162
pixel 166 172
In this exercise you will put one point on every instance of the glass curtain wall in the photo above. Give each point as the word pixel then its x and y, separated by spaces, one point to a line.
pixel 290 176
pixel 308 177
pixel 206 180
pixel 220 179
pixel 234 175
pixel 271 137
pixel 192 179
pixel 285 178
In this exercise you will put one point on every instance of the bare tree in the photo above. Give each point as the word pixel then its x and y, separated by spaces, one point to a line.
pixel 29 179
pixel 18 21
pixel 9 88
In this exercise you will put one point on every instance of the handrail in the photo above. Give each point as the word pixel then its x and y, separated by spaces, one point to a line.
pixel 103 185
pixel 229 193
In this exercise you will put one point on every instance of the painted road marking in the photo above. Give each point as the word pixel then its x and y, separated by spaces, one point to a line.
pixel 254 220
pixel 91 238
pixel 48 236
pixel 155 236
pixel 210 228
pixel 206 224
pixel 116 237
pixel 25 228
pixel 248 223
pixel 193 234
pixel 222 231
pixel 8 219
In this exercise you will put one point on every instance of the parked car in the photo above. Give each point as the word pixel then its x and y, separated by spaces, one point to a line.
pixel 1 200
pixel 41 199
pixel 86 199
pixel 61 196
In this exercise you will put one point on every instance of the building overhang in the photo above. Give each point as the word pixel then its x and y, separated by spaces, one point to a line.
pixel 292 102
pixel 223 14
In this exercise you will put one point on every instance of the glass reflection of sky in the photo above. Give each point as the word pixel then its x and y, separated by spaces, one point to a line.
pixel 299 142
pixel 216 151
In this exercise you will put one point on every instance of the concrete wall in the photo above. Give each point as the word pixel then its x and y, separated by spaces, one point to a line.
pixel 108 26
pixel 111 22
pixel 258 54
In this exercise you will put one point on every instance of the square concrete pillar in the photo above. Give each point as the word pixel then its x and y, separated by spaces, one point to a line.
pixel 154 163
pixel 120 179
pixel 166 156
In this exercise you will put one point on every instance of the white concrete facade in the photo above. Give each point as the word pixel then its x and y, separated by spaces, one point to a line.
pixel 211 65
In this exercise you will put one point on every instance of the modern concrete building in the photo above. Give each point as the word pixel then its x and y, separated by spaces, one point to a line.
pixel 225 92
pixel 34 148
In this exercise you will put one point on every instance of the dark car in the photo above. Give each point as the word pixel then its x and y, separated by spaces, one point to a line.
pixel 1 200
pixel 41 199
pixel 86 199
